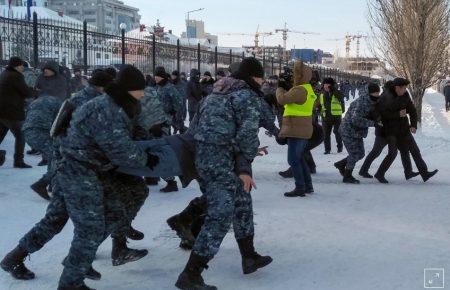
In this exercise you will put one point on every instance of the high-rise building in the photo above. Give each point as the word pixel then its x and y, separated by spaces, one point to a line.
pixel 307 55
pixel 196 29
pixel 106 15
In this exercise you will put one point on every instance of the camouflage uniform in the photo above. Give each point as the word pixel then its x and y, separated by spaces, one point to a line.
pixel 227 126
pixel 355 126
pixel 37 125
pixel 30 77
pixel 181 86
pixel 172 102
pixel 153 112
pixel 98 140
pixel 83 96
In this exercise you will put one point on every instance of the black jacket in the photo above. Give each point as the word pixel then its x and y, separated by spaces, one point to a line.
pixel 13 92
pixel 194 94
pixel 56 86
pixel 390 106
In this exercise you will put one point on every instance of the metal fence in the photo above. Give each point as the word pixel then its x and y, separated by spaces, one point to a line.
pixel 83 46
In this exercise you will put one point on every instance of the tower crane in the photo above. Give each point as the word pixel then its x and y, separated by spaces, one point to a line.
pixel 285 32
pixel 256 35
pixel 348 40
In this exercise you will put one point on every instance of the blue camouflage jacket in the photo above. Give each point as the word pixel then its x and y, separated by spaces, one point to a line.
pixel 357 118
pixel 84 96
pixel 100 136
pixel 172 101
pixel 41 113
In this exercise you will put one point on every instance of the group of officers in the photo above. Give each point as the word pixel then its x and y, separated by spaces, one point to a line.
pixel 91 136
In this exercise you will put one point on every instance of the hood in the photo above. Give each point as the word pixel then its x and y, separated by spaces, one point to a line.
pixel 53 66
pixel 228 85
pixel 302 74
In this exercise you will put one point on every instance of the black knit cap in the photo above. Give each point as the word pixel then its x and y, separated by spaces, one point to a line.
pixel 100 78
pixel 175 73
pixel 207 73
pixel 400 82
pixel 329 81
pixel 15 61
pixel 111 71
pixel 130 78
pixel 221 72
pixel 251 67
pixel 373 88
pixel 160 71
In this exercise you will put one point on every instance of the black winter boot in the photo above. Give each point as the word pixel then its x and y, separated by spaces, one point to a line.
pixel 2 157
pixel 121 254
pixel 381 178
pixel 21 164
pixel 348 177
pixel 340 165
pixel 251 260
pixel 80 287
pixel 92 274
pixel 40 187
pixel 287 174
pixel 365 174
pixel 427 175
pixel 134 234
pixel 295 193
pixel 152 181
pixel 182 223
pixel 13 264
pixel 411 174
pixel 43 162
pixel 191 277
pixel 170 187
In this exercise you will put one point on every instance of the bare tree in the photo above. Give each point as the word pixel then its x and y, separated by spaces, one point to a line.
pixel 412 37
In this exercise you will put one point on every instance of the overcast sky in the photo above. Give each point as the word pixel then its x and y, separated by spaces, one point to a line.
pixel 331 18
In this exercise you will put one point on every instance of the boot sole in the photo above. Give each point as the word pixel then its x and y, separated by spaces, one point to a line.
pixel 183 286
pixel 254 269
pixel 10 271
pixel 123 262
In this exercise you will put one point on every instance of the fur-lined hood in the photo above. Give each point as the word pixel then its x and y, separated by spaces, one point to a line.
pixel 302 73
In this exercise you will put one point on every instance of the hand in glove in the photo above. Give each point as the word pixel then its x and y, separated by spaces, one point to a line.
pixel 157 130
pixel 283 84
pixel 281 140
pixel 152 160
pixel 139 133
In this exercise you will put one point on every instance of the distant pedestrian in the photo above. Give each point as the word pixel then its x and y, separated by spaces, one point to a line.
pixel 207 83
pixel 447 96
pixel 194 93
pixel 13 92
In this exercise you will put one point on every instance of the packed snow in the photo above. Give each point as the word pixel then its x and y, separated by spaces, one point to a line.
pixel 351 237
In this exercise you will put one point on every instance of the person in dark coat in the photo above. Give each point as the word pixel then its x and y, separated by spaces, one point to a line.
pixel 51 82
pixel 194 93
pixel 396 105
pixel 207 83
pixel 181 85
pixel 332 107
pixel 13 92
pixel 447 96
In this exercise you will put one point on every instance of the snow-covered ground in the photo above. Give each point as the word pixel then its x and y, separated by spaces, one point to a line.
pixel 350 237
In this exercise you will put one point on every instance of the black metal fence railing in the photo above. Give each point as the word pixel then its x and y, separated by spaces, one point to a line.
pixel 78 45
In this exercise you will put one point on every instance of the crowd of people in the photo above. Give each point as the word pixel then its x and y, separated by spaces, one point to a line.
pixel 106 139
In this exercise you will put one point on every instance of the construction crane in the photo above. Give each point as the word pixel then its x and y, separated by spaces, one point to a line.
pixel 285 32
pixel 348 40
pixel 256 35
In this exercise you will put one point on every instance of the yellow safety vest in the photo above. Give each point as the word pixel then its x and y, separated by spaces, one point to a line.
pixel 336 106
pixel 304 110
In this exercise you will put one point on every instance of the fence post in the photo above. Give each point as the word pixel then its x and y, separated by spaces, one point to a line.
pixel 243 55
pixel 264 60
pixel 231 56
pixel 123 46
pixel 215 60
pixel 279 64
pixel 153 54
pixel 198 56
pixel 85 48
pixel 35 40
pixel 178 55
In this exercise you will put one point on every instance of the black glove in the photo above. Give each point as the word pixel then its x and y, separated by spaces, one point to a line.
pixel 157 130
pixel 281 140
pixel 284 84
pixel 139 133
pixel 152 160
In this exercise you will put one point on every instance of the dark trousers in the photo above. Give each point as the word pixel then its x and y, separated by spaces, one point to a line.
pixel 328 127
pixel 447 105
pixel 16 129
pixel 406 144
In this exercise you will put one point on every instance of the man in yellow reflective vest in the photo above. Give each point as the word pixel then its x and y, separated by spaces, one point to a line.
pixel 297 127
pixel 332 107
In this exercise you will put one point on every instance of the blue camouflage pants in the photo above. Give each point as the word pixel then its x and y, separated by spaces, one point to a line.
pixel 40 140
pixel 355 150
pixel 226 200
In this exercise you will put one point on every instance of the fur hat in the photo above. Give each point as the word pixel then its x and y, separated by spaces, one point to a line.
pixel 251 67
pixel 176 73
pixel 160 71
pixel 373 88
pixel 111 71
pixel 130 78
pixel 15 61
pixel 400 82
pixel 100 78
pixel 207 73
pixel 329 81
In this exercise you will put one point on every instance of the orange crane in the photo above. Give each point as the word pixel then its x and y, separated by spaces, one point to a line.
pixel 256 35
pixel 348 40
pixel 285 32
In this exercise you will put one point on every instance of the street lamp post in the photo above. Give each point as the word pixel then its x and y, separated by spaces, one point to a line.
pixel 187 24
pixel 122 27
